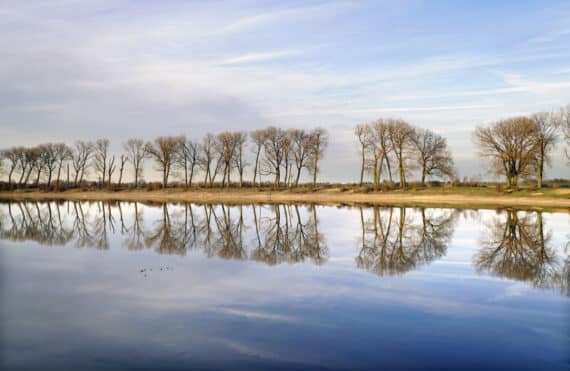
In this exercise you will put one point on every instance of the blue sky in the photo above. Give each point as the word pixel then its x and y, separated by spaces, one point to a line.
pixel 84 69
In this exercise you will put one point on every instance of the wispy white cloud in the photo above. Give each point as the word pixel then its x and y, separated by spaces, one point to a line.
pixel 550 36
pixel 270 18
pixel 260 57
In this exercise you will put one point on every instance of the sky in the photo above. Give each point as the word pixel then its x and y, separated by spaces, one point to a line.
pixel 85 69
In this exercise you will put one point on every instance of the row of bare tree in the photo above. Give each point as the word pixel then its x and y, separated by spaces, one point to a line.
pixel 518 148
pixel 281 154
pixel 389 146
pixel 521 147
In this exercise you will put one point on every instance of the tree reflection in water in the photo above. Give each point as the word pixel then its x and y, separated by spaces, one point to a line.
pixel 283 233
pixel 394 242
pixel 516 246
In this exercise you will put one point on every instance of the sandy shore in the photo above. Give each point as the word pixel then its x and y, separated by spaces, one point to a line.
pixel 324 197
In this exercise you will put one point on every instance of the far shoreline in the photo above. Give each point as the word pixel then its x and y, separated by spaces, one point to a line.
pixel 553 200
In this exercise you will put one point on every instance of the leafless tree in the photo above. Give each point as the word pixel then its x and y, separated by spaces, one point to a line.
pixel 240 140
pixel 546 131
pixel 511 146
pixel 207 157
pixel 49 155
pixel 565 115
pixel 187 158
pixel 301 143
pixel 63 154
pixel 258 137
pixel 363 133
pixel 136 152
pixel 38 162
pixel 274 153
pixel 100 157
pixel 287 161
pixel 380 145
pixel 433 155
pixel 81 155
pixel 122 162
pixel 163 151
pixel 401 139
pixel 111 167
pixel 30 162
pixel 225 149
pixel 12 156
pixel 319 140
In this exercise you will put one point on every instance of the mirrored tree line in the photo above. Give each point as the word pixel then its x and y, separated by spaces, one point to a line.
pixel 393 241
pixel 280 233
pixel 516 246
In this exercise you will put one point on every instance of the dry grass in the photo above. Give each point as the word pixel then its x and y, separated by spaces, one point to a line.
pixel 457 197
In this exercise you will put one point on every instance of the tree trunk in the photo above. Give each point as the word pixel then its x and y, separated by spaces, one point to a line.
pixel 256 167
pixel 540 170
pixel 10 176
pixel 38 177
pixel 362 167
pixel 59 173
pixel 315 168
pixel 192 172
pixel 50 171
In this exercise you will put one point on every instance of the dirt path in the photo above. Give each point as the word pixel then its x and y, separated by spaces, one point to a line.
pixel 324 198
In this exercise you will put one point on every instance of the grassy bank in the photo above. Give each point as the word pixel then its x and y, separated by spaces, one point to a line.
pixel 457 197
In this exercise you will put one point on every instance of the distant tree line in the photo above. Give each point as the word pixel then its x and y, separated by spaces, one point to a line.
pixel 391 150
pixel 283 155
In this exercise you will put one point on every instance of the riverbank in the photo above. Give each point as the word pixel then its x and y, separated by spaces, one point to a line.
pixel 464 197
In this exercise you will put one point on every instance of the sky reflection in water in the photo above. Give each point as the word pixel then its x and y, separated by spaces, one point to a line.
pixel 132 286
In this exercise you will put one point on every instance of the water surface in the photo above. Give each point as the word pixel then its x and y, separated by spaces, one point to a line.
pixel 114 286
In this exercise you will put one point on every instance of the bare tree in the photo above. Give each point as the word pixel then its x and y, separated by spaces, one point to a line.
pixel 240 140
pixel 565 115
pixel 49 155
pixel 363 134
pixel 29 162
pixel 100 157
pixel 122 162
pixel 111 166
pixel 258 137
pixel 287 151
pixel 12 156
pixel 208 145
pixel 433 156
pixel 63 153
pixel 301 142
pixel 136 152
pixel 319 141
pixel 380 145
pixel 401 134
pixel 547 125
pixel 38 159
pixel 510 144
pixel 274 154
pixel 187 158
pixel 225 148
pixel 81 155
pixel 163 151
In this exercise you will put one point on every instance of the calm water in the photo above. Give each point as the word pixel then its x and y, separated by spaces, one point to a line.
pixel 133 286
